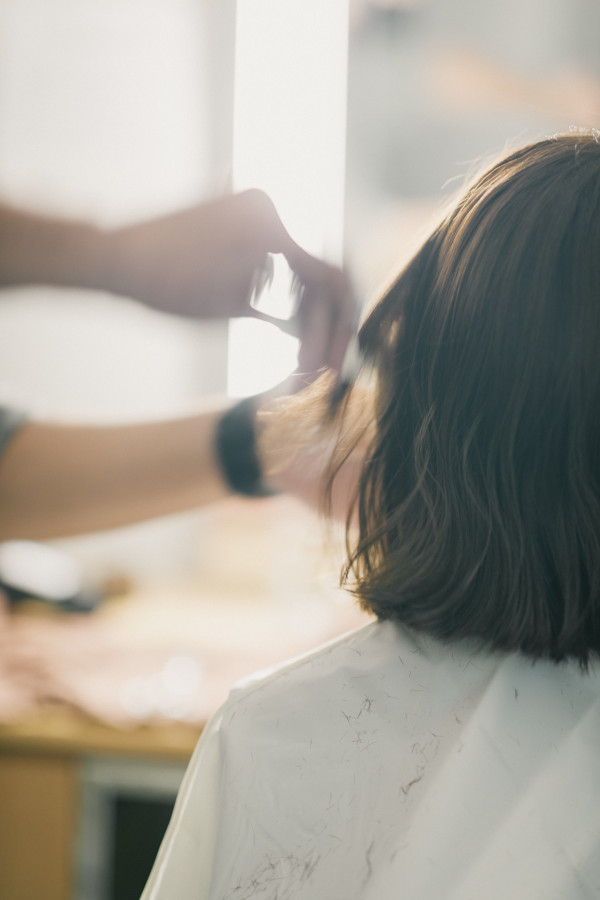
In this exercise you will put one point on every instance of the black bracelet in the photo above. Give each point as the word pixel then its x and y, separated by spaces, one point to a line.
pixel 235 442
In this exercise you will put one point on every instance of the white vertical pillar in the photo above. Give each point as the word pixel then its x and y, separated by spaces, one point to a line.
pixel 289 140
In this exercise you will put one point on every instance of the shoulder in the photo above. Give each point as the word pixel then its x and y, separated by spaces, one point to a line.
pixel 349 653
pixel 382 668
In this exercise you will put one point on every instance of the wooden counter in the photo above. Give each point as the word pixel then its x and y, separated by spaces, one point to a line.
pixel 44 750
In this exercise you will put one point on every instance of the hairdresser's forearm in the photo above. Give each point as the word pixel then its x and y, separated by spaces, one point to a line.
pixel 57 481
pixel 38 249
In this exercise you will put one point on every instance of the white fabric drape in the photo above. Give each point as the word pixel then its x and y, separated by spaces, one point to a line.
pixel 387 765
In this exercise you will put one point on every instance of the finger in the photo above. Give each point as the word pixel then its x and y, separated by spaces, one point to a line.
pixel 314 318
pixel 261 225
pixel 309 269
pixel 343 317
pixel 329 315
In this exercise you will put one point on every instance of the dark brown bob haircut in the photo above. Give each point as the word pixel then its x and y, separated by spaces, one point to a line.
pixel 479 501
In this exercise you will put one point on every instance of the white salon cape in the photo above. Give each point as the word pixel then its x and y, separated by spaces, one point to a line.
pixel 388 766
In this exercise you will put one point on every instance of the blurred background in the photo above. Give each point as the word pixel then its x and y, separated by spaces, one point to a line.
pixel 361 118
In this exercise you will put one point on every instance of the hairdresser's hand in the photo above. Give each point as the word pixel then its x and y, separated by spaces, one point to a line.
pixel 203 262
pixel 326 317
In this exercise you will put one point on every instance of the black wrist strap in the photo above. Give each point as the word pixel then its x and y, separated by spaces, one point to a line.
pixel 235 442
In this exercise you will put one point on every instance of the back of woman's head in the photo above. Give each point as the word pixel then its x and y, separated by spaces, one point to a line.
pixel 479 502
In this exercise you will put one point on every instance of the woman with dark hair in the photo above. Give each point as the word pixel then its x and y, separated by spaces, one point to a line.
pixel 449 749
pixel 480 499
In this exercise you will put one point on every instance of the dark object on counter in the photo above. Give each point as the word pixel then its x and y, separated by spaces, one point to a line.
pixel 33 571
